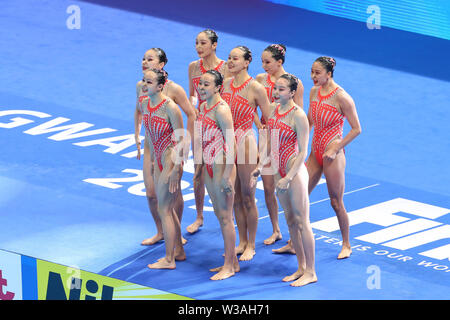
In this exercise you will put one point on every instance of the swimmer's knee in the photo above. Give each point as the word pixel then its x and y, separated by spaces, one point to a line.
pixel 294 220
pixel 151 195
pixel 248 202
pixel 224 220
pixel 336 203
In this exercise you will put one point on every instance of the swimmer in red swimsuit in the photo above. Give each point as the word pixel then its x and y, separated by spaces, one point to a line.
pixel 205 45
pixel 329 105
pixel 243 94
pixel 156 58
pixel 288 144
pixel 162 119
pixel 216 131
pixel 273 58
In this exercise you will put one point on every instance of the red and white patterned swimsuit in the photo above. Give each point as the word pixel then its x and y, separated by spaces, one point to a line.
pixel 213 141
pixel 285 145
pixel 199 71
pixel 241 110
pixel 158 129
pixel 327 120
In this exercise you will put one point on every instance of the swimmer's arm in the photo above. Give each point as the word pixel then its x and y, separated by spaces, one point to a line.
pixel 264 149
pixel 261 99
pixel 265 143
pixel 182 100
pixel 137 122
pixel 151 152
pixel 348 109
pixel 302 128
pixel 137 115
pixel 192 93
pixel 257 121
pixel 225 120
pixel 176 120
pixel 264 158
pixel 298 97
pixel 310 121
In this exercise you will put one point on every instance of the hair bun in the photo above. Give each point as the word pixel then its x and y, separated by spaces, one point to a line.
pixel 281 48
pixel 332 61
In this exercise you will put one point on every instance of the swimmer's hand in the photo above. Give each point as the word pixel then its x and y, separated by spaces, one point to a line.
pixel 283 185
pixel 226 185
pixel 254 176
pixel 138 146
pixel 174 179
pixel 332 150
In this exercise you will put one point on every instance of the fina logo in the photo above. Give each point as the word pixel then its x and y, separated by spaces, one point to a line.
pixel 399 232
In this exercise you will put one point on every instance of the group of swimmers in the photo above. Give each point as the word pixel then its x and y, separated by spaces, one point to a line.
pixel 228 158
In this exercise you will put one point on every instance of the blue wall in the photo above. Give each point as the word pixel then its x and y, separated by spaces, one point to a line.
pixel 428 17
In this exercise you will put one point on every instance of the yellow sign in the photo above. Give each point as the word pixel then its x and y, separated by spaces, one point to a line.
pixel 57 282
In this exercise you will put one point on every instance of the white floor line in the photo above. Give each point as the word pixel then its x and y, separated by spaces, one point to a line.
pixel 318 201
pixel 135 259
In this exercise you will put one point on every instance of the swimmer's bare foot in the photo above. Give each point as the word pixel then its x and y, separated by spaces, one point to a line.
pixel 193 228
pixel 162 264
pixel 273 238
pixel 248 254
pixel 224 273
pixel 286 249
pixel 152 240
pixel 345 252
pixel 183 241
pixel 236 267
pixel 297 274
pixel 305 279
pixel 179 256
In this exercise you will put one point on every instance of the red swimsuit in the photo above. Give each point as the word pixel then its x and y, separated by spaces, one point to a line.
pixel 283 140
pixel 159 129
pixel 201 70
pixel 241 110
pixel 327 120
pixel 213 141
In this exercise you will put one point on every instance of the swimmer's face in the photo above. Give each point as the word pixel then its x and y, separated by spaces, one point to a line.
pixel 269 64
pixel 236 61
pixel 204 46
pixel 281 91
pixel 207 86
pixel 319 74
pixel 151 61
pixel 150 84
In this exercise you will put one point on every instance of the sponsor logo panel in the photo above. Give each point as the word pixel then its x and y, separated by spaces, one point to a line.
pixel 57 282
pixel 10 276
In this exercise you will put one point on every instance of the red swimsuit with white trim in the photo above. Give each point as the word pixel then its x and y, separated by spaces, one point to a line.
pixel 201 70
pixel 327 120
pixel 241 110
pixel 285 147
pixel 159 129
pixel 213 141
